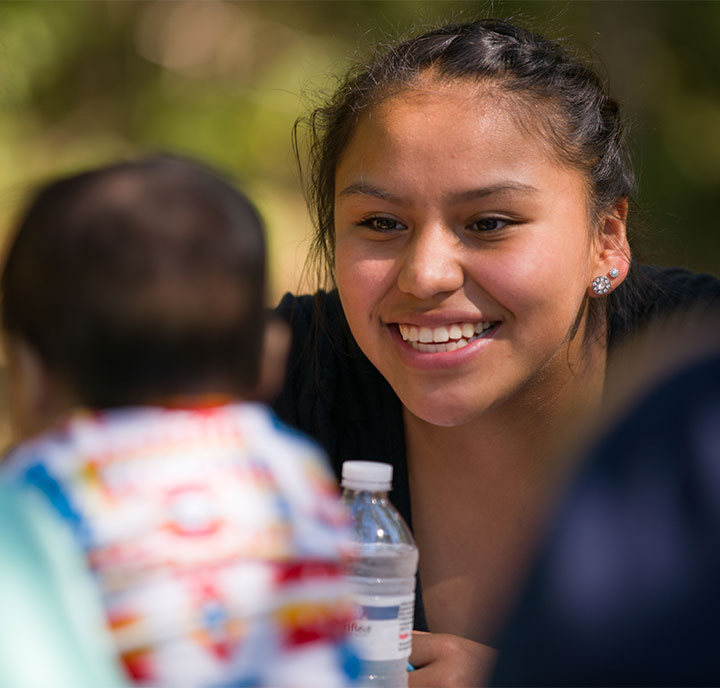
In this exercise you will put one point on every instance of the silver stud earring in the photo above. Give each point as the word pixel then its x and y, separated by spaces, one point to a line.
pixel 601 285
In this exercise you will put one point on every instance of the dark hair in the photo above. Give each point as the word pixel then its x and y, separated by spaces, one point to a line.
pixel 580 120
pixel 139 280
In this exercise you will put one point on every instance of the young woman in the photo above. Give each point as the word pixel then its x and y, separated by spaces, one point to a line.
pixel 470 189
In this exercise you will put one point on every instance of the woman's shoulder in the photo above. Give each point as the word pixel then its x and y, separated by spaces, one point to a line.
pixel 332 392
pixel 302 310
pixel 319 330
pixel 659 293
pixel 677 286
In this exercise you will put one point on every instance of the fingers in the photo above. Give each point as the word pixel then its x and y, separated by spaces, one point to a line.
pixel 423 648
pixel 449 661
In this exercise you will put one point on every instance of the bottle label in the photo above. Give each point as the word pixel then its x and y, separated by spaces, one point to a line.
pixel 382 629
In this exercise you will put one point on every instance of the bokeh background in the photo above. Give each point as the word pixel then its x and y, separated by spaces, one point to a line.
pixel 85 82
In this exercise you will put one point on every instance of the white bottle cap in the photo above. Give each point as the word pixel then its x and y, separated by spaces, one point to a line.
pixel 367 475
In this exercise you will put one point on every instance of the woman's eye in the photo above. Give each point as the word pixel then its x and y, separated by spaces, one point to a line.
pixel 488 224
pixel 382 224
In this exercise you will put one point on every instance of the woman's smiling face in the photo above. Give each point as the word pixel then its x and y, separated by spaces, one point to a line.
pixel 463 252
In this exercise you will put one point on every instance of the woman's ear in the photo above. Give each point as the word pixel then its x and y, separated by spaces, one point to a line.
pixel 276 345
pixel 612 250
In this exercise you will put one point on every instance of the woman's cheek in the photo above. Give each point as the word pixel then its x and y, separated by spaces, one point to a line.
pixel 353 282
pixel 358 266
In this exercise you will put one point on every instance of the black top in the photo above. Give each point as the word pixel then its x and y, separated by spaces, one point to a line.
pixel 333 393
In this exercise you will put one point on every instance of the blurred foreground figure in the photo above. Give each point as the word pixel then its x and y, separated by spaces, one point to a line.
pixel 51 624
pixel 134 322
pixel 626 590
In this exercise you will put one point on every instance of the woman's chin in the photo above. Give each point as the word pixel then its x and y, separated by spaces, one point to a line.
pixel 443 414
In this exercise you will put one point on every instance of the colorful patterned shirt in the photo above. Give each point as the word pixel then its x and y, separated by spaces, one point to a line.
pixel 215 536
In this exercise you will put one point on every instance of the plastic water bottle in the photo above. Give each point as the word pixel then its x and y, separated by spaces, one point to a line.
pixel 382 574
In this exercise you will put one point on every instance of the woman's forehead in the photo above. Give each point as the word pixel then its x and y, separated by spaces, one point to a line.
pixel 467 124
pixel 459 117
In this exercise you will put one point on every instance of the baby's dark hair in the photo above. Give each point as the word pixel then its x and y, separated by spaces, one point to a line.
pixel 140 280
pixel 545 86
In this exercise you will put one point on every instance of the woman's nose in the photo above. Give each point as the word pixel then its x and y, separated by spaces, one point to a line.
pixel 431 263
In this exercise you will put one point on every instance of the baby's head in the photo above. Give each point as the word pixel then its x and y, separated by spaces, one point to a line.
pixel 130 284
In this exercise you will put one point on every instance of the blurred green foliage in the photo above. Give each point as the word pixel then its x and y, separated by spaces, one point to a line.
pixel 86 82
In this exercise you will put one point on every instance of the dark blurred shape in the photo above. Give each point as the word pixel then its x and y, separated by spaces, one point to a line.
pixel 626 590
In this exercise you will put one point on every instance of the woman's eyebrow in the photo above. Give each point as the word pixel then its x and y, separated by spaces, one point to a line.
pixel 482 192
pixel 365 189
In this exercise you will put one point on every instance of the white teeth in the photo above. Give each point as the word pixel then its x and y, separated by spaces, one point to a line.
pixel 443 338
pixel 440 334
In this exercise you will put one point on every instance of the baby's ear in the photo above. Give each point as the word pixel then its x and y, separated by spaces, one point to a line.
pixel 36 398
pixel 276 345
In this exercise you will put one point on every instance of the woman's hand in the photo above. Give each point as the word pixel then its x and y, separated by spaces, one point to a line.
pixel 442 660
